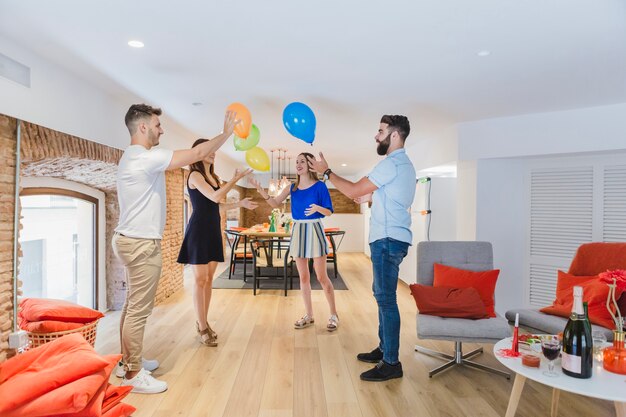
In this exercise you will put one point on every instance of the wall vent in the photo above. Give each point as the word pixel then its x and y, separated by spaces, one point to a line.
pixel 14 71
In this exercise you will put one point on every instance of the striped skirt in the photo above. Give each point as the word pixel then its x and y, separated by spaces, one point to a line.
pixel 308 239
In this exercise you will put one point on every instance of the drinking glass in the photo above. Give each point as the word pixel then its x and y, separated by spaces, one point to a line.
pixel 551 347
pixel 599 340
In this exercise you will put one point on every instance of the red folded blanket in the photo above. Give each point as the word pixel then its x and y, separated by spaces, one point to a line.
pixel 36 372
pixel 114 395
pixel 120 410
pixel 83 397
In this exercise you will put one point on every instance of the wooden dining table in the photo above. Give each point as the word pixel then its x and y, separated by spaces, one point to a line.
pixel 259 231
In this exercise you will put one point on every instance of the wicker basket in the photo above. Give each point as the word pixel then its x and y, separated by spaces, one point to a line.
pixel 88 331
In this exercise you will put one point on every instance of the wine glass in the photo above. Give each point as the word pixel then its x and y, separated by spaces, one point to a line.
pixel 551 347
pixel 599 339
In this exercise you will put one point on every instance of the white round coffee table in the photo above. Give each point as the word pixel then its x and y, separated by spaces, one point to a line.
pixel 603 384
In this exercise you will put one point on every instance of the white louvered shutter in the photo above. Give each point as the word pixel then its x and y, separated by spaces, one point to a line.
pixel 614 200
pixel 561 219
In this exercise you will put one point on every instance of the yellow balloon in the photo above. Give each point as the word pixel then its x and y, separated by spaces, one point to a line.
pixel 257 159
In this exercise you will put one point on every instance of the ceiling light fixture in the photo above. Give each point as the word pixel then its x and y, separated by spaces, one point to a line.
pixel 196 103
pixel 135 44
pixel 344 165
pixel 483 53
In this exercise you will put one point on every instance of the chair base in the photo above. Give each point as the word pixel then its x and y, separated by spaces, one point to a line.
pixel 458 359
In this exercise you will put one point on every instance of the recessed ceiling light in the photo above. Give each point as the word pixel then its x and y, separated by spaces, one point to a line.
pixel 483 53
pixel 135 44
pixel 196 103
pixel 344 165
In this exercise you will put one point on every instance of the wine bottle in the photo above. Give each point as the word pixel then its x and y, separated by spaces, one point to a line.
pixel 577 356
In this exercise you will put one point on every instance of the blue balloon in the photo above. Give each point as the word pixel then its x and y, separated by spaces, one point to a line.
pixel 299 121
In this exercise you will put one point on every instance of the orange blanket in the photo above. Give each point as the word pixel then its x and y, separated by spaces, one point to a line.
pixel 120 410
pixel 82 397
pixel 39 371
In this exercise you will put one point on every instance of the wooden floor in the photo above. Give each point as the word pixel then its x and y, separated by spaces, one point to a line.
pixel 264 367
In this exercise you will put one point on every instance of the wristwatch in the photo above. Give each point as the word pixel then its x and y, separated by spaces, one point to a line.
pixel 327 173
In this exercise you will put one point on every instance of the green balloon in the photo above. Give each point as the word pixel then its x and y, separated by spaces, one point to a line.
pixel 250 142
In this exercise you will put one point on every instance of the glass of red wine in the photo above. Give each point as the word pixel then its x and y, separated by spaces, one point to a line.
pixel 551 348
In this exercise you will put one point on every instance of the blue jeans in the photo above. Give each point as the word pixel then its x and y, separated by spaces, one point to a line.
pixel 387 254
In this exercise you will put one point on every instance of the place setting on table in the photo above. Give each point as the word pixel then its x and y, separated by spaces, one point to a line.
pixel 577 360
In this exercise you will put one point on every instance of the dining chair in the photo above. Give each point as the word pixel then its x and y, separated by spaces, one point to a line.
pixel 237 254
pixel 271 254
pixel 333 235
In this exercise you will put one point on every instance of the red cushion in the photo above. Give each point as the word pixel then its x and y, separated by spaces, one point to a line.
pixel 47 326
pixel 462 303
pixel 483 281
pixel 113 395
pixel 120 410
pixel 38 309
pixel 28 376
pixel 594 293
pixel 83 397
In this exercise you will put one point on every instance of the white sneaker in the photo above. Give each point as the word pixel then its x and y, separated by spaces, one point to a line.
pixel 147 364
pixel 144 383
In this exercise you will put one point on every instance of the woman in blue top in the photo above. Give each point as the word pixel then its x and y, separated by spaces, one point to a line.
pixel 310 201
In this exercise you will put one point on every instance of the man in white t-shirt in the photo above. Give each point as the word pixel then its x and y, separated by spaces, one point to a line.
pixel 137 239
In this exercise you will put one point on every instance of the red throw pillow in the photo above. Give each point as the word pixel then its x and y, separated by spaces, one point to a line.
pixel 594 293
pixel 483 281
pixel 39 309
pixel 464 303
pixel 120 410
pixel 48 326
pixel 28 376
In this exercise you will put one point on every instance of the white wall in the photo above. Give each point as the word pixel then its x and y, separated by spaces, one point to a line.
pixel 500 219
pixel 353 225
pixel 466 179
pixel 31 182
pixel 442 220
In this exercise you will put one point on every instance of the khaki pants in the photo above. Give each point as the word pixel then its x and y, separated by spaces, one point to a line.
pixel 142 262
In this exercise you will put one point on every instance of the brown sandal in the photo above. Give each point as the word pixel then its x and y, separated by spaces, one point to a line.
pixel 206 339
pixel 213 334
pixel 207 336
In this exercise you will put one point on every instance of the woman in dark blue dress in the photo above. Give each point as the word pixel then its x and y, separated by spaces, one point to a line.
pixel 202 246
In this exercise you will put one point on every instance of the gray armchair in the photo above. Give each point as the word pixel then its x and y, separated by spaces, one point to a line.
pixel 475 256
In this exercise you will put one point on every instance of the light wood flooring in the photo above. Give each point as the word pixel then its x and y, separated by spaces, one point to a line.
pixel 264 367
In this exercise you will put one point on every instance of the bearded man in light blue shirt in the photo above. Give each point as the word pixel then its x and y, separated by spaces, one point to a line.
pixel 390 186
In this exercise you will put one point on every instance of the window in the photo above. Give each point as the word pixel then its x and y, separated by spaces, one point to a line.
pixel 59 248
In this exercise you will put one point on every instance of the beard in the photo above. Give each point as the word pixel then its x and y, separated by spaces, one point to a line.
pixel 383 145
pixel 153 136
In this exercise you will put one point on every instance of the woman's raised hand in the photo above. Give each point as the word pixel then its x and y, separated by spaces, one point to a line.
pixel 256 184
pixel 230 122
pixel 248 203
pixel 240 174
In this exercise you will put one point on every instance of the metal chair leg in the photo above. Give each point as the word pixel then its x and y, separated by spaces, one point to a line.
pixel 458 359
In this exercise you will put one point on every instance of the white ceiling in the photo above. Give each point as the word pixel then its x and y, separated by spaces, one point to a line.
pixel 350 60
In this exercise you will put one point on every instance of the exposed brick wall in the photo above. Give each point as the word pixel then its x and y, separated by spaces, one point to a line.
pixel 8 144
pixel 49 153
pixel 172 274
pixel 341 204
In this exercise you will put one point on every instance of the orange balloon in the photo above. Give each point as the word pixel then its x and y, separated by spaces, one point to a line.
pixel 242 129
